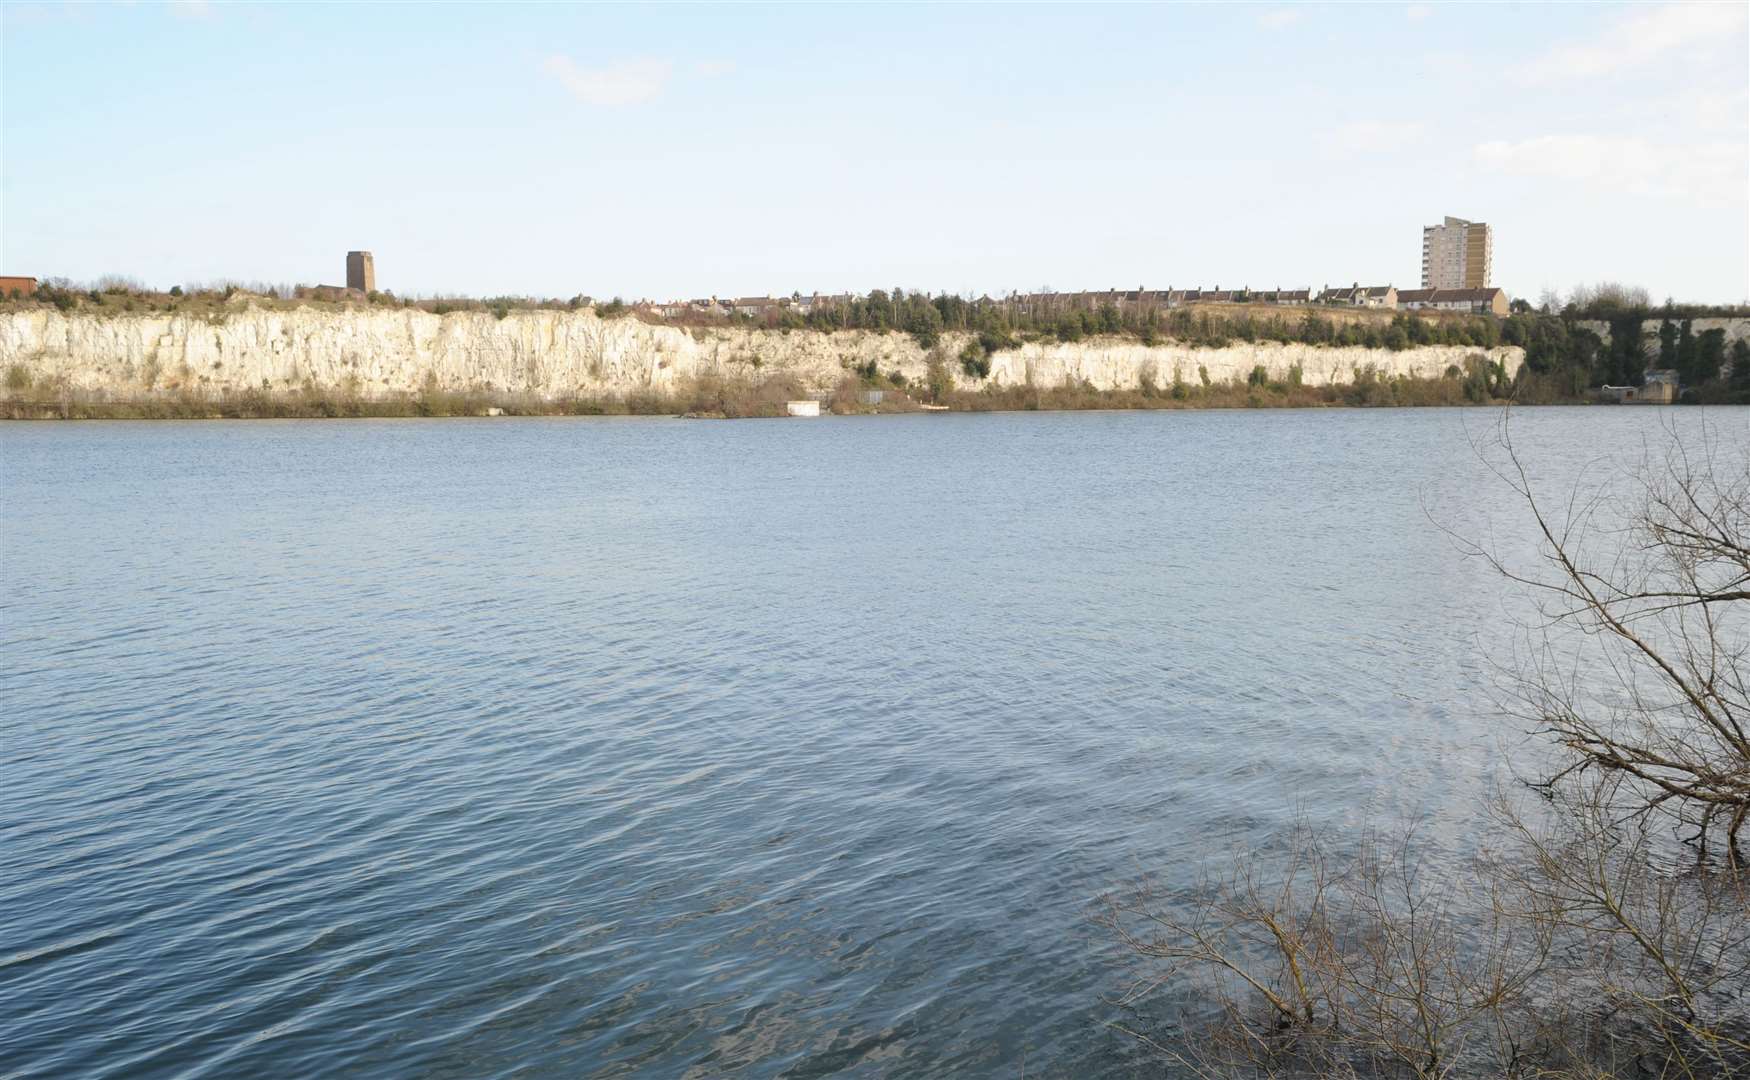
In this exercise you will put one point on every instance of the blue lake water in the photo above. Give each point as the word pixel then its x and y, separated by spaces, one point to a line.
pixel 658 748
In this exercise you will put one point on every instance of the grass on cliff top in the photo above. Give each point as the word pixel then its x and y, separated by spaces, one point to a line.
pixel 118 297
pixel 990 326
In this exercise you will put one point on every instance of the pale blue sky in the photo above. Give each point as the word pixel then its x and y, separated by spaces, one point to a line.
pixel 688 150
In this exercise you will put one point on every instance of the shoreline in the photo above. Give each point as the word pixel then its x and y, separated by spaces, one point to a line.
pixel 158 410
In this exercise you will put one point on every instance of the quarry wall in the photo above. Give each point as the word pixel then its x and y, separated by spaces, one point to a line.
pixel 372 351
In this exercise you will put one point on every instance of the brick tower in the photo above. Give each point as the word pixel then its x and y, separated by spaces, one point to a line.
pixel 361 271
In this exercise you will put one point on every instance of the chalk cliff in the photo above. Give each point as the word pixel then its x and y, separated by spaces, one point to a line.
pixel 1737 328
pixel 374 351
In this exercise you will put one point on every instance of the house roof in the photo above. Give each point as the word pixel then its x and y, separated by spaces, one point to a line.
pixel 1448 296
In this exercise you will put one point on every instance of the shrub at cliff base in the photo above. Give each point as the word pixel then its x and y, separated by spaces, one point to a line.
pixel 1480 385
pixel 738 398
pixel 744 397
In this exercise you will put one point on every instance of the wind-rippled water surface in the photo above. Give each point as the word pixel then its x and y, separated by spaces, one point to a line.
pixel 655 748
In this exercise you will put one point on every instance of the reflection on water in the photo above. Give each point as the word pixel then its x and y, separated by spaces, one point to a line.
pixel 646 747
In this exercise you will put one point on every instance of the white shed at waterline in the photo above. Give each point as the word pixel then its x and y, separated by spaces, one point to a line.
pixel 802 408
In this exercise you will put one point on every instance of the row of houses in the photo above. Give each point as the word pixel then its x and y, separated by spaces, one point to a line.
pixel 1484 301
pixel 754 307
pixel 1385 297
pixel 1123 299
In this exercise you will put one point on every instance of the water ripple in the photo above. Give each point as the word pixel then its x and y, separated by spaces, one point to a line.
pixel 639 748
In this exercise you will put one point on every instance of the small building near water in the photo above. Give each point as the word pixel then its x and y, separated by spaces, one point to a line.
pixel 802 408
pixel 1660 387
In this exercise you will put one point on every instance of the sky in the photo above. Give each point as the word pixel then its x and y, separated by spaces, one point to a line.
pixel 681 151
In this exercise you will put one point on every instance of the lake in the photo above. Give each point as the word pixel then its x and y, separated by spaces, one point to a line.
pixel 649 747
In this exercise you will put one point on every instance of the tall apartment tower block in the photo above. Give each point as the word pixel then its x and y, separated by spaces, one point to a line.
pixel 361 271
pixel 1457 254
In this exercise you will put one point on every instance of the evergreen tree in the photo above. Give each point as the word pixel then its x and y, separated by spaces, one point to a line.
pixel 1686 354
pixel 1740 373
pixel 1710 355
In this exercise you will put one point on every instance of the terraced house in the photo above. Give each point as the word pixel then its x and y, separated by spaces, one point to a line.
pixel 1368 296
pixel 1490 301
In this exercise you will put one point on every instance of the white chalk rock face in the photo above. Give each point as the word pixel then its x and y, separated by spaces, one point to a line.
pixel 564 353
pixel 1736 328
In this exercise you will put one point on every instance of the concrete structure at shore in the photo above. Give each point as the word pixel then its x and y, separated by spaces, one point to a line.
pixel 361 271
pixel 1660 387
